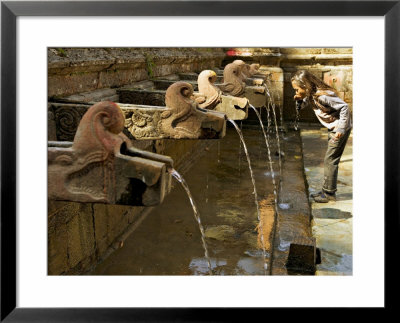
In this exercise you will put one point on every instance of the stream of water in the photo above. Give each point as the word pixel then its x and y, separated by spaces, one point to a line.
pixel 254 185
pixel 276 126
pixel 269 157
pixel 168 241
pixel 180 179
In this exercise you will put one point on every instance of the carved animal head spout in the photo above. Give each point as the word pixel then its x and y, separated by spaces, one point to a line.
pixel 244 68
pixel 184 119
pixel 102 166
pixel 254 69
pixel 210 97
pixel 211 93
pixel 233 84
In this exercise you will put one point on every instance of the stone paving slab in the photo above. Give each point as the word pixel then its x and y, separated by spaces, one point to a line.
pixel 332 223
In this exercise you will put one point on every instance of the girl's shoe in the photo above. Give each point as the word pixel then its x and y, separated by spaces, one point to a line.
pixel 323 197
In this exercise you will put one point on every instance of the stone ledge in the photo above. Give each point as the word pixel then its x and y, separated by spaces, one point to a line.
pixel 293 223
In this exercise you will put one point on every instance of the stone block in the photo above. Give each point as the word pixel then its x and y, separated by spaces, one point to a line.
pixel 302 256
pixel 70 235
pixel 62 85
pixel 344 50
pixel 254 96
pixel 119 77
pixel 110 222
pixel 81 235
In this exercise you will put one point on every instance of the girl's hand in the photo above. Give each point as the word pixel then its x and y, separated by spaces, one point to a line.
pixel 338 135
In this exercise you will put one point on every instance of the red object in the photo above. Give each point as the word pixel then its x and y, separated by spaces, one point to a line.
pixel 232 52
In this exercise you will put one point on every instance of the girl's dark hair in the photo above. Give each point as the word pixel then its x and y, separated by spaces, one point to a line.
pixel 313 84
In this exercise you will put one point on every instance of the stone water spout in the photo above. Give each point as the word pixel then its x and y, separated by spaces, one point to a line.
pixel 234 85
pixel 184 119
pixel 247 74
pixel 211 97
pixel 233 81
pixel 254 69
pixel 101 165
pixel 179 118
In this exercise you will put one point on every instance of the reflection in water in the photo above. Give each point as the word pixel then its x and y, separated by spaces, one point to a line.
pixel 168 242
pixel 239 131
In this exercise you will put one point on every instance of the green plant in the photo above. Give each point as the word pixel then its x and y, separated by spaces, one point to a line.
pixel 150 65
pixel 61 52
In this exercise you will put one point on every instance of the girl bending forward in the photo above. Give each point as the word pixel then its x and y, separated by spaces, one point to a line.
pixel 334 114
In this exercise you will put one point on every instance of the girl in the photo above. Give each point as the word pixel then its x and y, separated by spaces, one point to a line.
pixel 334 114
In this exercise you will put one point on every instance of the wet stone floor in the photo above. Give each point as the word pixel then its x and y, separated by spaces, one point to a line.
pixel 168 241
pixel 332 223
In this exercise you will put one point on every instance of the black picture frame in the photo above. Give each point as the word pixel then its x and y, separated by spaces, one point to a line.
pixel 10 10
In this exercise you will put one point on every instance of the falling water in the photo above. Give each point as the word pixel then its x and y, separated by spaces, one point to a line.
pixel 296 120
pixel 268 85
pixel 240 152
pixel 268 118
pixel 254 185
pixel 207 188
pixel 269 158
pixel 280 109
pixel 180 179
pixel 276 128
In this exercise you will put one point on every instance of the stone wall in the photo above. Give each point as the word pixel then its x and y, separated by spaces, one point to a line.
pixel 76 70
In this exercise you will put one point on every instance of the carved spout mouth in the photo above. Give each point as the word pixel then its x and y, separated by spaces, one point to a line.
pixel 235 108
pixel 144 179
pixel 213 126
pixel 131 177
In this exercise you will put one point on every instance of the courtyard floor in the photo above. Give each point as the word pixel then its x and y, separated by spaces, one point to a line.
pixel 332 223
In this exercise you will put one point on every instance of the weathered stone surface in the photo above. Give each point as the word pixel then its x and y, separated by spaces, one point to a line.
pixel 293 222
pixel 233 84
pixel 61 85
pixel 70 235
pixel 256 96
pixel 75 70
pixel 102 166
pixel 211 93
pixel 106 94
pixel 234 108
pixel 110 222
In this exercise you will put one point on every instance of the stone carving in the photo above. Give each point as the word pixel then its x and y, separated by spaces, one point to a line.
pixel 210 97
pixel 181 119
pixel 66 119
pixel 211 93
pixel 233 84
pixel 142 123
pixel 102 166
pixel 254 69
pixel 244 69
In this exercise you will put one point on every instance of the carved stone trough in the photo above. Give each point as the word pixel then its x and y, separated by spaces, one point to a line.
pixel 209 97
pixel 180 118
pixel 101 165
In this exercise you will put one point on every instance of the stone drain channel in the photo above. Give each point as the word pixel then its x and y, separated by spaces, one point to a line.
pixel 168 242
